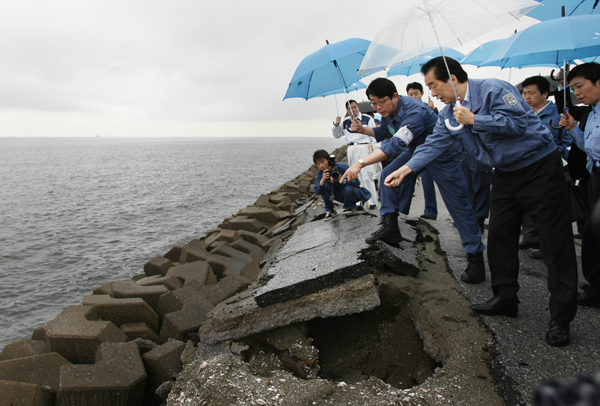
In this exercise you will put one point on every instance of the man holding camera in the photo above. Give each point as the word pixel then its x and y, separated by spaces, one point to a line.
pixel 328 185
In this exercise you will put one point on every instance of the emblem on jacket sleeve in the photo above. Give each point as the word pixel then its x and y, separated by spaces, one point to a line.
pixel 510 99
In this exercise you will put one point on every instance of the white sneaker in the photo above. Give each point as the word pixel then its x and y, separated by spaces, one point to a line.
pixel 329 215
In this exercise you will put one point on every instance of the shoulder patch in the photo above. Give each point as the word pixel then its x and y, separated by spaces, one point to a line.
pixel 510 99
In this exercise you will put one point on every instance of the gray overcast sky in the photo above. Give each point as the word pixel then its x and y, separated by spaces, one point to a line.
pixel 171 68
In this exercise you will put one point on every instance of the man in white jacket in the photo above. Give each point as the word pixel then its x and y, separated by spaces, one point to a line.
pixel 359 145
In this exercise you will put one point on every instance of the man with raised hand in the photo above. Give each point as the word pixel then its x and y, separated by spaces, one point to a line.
pixel 405 124
pixel 502 131
pixel 359 145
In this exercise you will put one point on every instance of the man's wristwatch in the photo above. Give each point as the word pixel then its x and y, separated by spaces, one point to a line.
pixel 361 162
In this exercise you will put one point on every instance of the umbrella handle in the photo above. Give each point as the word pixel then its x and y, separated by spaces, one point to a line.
pixel 450 126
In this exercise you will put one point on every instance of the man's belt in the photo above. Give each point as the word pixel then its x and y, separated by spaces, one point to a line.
pixel 358 143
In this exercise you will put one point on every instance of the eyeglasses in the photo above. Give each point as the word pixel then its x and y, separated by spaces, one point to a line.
pixel 381 102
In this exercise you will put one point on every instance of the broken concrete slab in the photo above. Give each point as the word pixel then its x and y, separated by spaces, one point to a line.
pixel 140 330
pixel 157 266
pixel 123 311
pixel 240 316
pixel 314 258
pixel 37 369
pixel 194 271
pixel 195 250
pixel 129 289
pixel 25 394
pixel 23 348
pixel 76 334
pixel 225 288
pixel 170 282
pixel 118 378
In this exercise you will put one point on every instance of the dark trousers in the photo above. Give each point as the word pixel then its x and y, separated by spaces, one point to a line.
pixel 590 248
pixel 540 191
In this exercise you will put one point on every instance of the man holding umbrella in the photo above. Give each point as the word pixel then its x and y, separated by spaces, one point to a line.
pixel 502 131
pixel 359 145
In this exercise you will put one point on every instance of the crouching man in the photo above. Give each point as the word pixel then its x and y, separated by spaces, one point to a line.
pixel 328 185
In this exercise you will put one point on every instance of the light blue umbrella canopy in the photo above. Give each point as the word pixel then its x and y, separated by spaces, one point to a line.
pixel 550 9
pixel 549 43
pixel 335 66
pixel 351 88
pixel 414 66
pixel 481 53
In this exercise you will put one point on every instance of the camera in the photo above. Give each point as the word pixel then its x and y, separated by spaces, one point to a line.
pixel 334 172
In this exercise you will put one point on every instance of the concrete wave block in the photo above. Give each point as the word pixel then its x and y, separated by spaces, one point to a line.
pixel 140 330
pixel 105 289
pixel 157 266
pixel 228 251
pixel 253 250
pixel 225 288
pixel 23 348
pixel 263 201
pixel 194 271
pixel 118 378
pixel 253 238
pixel 123 311
pixel 38 369
pixel 304 186
pixel 129 289
pixel 174 253
pixel 184 310
pixel 291 185
pixel 161 363
pixel 194 250
pixel 280 198
pixel 251 270
pixel 25 394
pixel 242 223
pixel 266 214
pixel 223 235
pixel 222 265
pixel 76 334
pixel 170 282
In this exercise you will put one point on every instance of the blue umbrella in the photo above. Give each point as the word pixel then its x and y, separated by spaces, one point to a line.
pixel 335 66
pixel 549 43
pixel 414 66
pixel 481 53
pixel 550 9
pixel 351 88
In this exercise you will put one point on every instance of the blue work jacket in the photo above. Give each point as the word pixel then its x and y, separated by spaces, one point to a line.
pixel 410 113
pixel 507 134
pixel 561 136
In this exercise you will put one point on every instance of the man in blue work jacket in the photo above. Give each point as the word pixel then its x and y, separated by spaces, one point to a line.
pixel 499 129
pixel 407 122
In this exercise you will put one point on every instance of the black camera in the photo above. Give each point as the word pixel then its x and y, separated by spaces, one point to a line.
pixel 333 170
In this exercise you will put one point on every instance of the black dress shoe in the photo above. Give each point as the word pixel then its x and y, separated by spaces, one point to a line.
pixel 537 254
pixel 496 307
pixel 587 299
pixel 425 216
pixel 558 335
pixel 527 243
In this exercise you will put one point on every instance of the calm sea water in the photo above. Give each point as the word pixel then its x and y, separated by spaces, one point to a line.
pixel 76 213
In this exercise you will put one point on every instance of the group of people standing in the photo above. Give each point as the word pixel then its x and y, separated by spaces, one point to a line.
pixel 494 137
